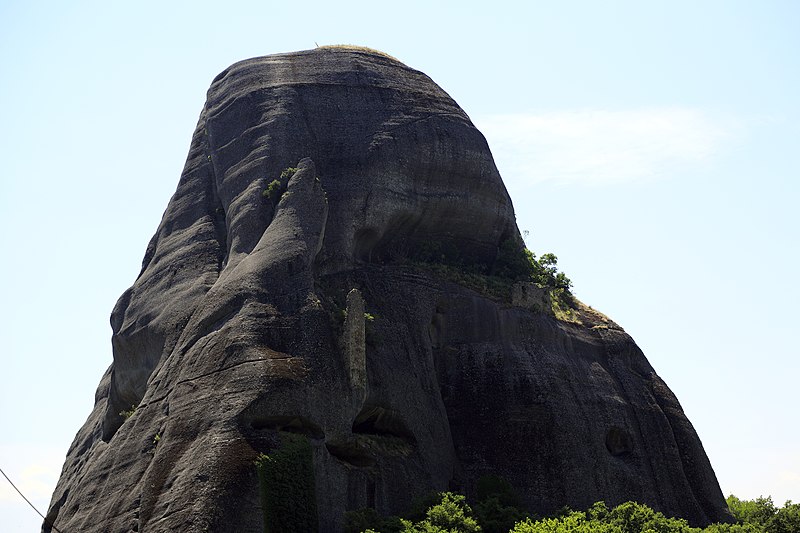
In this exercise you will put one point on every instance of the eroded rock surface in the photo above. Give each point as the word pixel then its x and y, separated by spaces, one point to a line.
pixel 237 328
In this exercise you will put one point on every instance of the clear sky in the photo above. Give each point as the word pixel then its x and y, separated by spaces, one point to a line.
pixel 653 146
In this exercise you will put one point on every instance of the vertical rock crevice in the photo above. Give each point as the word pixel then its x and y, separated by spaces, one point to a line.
pixel 354 343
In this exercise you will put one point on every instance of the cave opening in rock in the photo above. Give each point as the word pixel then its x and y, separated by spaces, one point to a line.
pixel 381 421
pixel 290 424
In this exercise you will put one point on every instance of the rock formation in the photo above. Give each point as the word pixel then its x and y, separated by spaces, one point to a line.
pixel 283 294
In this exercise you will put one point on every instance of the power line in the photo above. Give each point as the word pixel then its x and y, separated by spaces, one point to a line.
pixel 29 502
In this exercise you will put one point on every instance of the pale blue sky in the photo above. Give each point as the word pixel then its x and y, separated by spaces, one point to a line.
pixel 653 146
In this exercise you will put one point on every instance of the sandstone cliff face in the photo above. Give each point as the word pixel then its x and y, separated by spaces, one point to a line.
pixel 235 330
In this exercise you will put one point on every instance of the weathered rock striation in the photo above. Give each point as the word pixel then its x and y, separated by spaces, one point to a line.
pixel 264 308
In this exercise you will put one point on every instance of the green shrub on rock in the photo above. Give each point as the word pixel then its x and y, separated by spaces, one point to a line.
pixel 126 414
pixel 287 173
pixel 276 188
pixel 272 190
pixel 514 261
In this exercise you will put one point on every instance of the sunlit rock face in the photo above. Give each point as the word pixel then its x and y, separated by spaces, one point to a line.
pixel 276 301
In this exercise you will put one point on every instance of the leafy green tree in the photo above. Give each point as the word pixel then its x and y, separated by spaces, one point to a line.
pixel 764 515
pixel 757 511
pixel 450 515
pixel 785 519
pixel 515 262
pixel 497 502
pixel 630 517
pixel 499 506
pixel 495 517
pixel 272 190
pixel 421 504
pixel 575 522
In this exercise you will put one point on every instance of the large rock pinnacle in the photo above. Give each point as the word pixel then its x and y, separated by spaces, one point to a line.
pixel 283 294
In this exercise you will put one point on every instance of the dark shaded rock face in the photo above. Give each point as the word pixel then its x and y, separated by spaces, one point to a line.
pixel 234 332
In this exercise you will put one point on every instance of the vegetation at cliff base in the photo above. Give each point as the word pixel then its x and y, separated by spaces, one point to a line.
pixel 757 516
pixel 450 513
pixel 762 513
pixel 497 511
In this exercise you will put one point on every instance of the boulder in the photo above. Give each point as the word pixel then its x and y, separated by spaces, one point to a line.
pixel 317 289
